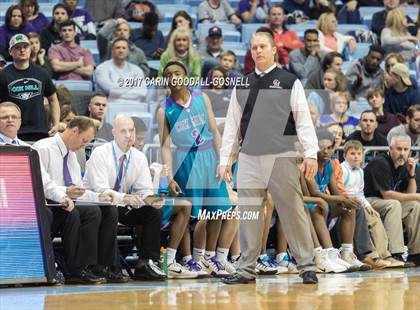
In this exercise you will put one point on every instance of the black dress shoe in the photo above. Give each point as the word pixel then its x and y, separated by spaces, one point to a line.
pixel 407 264
pixel 236 278
pixel 113 275
pixel 309 277
pixel 86 276
pixel 147 270
pixel 415 259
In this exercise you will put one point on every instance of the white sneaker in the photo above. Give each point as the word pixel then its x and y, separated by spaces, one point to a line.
pixel 235 263
pixel 228 266
pixel 214 267
pixel 263 267
pixel 335 255
pixel 326 261
pixel 176 270
pixel 193 266
pixel 350 258
pixel 288 263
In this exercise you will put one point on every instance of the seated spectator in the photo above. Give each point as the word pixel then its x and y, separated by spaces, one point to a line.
pixel 281 58
pixel 339 106
pixel 15 22
pixel 209 57
pixel 67 113
pixel 218 94
pixel 135 10
pixel 32 14
pixel 306 60
pixel 283 38
pixel 368 135
pixel 51 34
pixel 353 177
pixel 379 18
pixel 313 110
pixel 366 73
pixel 333 81
pixel 253 11
pixel 102 10
pixel 3 62
pixel 396 38
pixel 180 48
pixel 411 129
pixel 338 132
pixel 321 6
pixel 141 134
pixel 86 27
pixel 183 19
pixel 30 99
pixel 349 13
pixel 63 94
pixel 110 73
pixel 390 188
pixel 149 39
pixel 217 11
pixel 329 39
pixel 228 62
pixel 332 60
pixel 38 55
pixel 400 94
pixel 386 121
pixel 69 60
pixel 295 6
pixel 97 109
pixel 115 28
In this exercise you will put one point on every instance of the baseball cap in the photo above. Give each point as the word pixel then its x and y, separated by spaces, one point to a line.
pixel 18 38
pixel 402 71
pixel 215 32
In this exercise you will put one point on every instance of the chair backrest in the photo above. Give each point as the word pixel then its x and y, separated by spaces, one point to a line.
pixel 76 85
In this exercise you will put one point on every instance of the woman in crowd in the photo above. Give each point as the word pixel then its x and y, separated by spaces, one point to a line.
pixel 15 23
pixel 180 48
pixel 32 14
pixel 38 55
pixel 183 19
pixel 396 38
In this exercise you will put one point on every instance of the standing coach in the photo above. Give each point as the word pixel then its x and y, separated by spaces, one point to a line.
pixel 264 119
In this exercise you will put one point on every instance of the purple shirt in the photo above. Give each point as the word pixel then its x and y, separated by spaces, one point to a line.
pixel 63 52
pixel 84 22
pixel 38 23
pixel 245 6
pixel 6 34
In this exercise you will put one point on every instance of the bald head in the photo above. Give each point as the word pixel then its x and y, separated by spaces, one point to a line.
pixel 124 132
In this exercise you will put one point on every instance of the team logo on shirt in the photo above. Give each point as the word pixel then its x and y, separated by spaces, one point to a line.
pixel 276 84
pixel 25 89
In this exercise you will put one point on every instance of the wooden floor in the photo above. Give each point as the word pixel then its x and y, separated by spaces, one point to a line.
pixel 391 289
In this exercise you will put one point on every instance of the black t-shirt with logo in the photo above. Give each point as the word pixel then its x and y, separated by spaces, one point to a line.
pixel 27 88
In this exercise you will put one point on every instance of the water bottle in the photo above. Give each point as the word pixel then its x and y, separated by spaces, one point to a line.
pixel 163 261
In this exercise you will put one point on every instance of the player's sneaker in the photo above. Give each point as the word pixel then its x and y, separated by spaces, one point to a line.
pixel 235 263
pixel 351 259
pixel 193 266
pixel 326 261
pixel 228 266
pixel 176 270
pixel 264 267
pixel 273 263
pixel 287 262
pixel 214 267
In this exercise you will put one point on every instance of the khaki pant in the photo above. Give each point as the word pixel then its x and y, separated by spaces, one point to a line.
pixel 280 176
pixel 378 236
pixel 394 214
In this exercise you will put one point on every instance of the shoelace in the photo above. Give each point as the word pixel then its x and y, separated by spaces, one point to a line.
pixel 217 264
pixel 193 265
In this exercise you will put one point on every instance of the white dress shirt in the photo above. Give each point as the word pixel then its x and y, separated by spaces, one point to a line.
pixel 102 170
pixel 299 106
pixel 51 152
pixel 354 182
pixel 51 189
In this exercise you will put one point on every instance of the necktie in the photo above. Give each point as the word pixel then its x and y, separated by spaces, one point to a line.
pixel 66 172
pixel 117 185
